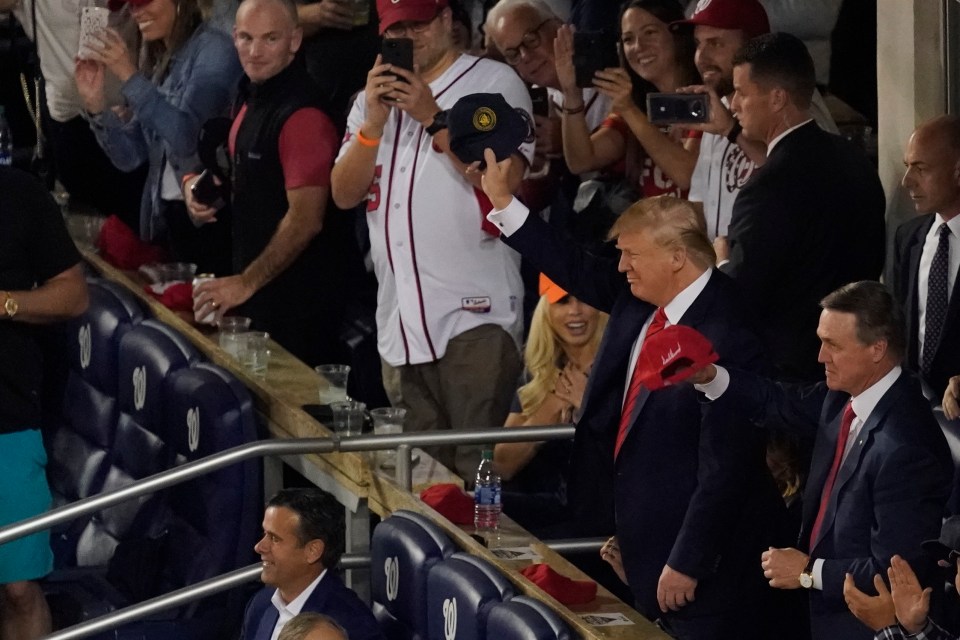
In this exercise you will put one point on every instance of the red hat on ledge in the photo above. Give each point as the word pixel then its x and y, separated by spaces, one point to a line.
pixel 563 589
pixel 450 501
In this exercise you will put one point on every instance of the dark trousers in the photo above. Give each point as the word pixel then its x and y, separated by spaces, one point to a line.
pixel 208 246
pixel 88 175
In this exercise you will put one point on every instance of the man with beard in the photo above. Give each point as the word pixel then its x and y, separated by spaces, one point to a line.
pixel 727 159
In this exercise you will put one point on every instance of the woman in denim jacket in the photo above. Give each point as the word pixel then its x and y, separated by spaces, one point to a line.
pixel 188 73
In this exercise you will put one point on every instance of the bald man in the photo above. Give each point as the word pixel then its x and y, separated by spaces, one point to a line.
pixel 927 253
pixel 289 257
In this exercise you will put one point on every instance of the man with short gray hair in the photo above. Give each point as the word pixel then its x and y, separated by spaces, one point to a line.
pixel 879 454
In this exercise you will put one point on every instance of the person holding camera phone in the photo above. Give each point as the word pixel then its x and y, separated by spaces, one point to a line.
pixel 727 159
pixel 449 299
pixel 655 58
pixel 186 76
pixel 289 258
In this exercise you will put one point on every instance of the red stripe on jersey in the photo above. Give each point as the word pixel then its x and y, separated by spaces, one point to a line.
pixel 413 251
pixel 386 223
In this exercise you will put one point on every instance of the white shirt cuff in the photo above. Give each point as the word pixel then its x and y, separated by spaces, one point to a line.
pixel 716 387
pixel 510 218
pixel 818 574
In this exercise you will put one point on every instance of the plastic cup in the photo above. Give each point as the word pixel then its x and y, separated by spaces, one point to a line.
pixel 348 417
pixel 333 387
pixel 231 338
pixel 178 271
pixel 254 352
pixel 387 421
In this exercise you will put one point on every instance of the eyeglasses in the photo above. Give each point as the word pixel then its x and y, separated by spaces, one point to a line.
pixel 401 29
pixel 530 41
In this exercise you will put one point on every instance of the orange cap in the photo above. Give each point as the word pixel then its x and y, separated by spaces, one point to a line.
pixel 551 289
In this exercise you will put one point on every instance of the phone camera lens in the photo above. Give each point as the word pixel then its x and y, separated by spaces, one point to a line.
pixel 697 109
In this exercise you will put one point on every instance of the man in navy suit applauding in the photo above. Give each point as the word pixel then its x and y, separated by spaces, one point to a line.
pixel 303 538
pixel 694 506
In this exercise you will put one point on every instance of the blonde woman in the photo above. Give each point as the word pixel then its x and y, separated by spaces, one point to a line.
pixel 564 337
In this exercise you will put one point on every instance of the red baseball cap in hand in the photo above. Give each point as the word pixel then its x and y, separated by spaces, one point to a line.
pixel 673 355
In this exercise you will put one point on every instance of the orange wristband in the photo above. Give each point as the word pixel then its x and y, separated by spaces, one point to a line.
pixel 365 141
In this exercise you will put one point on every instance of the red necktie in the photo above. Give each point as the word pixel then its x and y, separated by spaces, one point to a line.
pixel 633 392
pixel 842 436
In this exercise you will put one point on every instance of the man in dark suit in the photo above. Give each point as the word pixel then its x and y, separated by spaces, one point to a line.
pixel 302 542
pixel 693 506
pixel 881 469
pixel 927 253
pixel 811 218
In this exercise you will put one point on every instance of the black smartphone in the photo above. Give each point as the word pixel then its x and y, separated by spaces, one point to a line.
pixel 593 51
pixel 206 191
pixel 398 52
pixel 678 108
pixel 540 100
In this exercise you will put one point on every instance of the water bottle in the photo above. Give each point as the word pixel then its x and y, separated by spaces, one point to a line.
pixel 6 140
pixel 486 497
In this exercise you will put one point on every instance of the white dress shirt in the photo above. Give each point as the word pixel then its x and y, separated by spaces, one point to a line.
pixel 863 406
pixel 288 610
pixel 926 260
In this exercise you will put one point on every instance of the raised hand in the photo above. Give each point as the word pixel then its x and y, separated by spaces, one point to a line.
pixel 877 611
pixel 911 601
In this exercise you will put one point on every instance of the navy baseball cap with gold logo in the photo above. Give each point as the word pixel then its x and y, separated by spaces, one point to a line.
pixel 482 120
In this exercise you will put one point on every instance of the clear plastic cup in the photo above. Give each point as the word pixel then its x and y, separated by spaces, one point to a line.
pixel 255 352
pixel 387 421
pixel 348 416
pixel 231 337
pixel 333 387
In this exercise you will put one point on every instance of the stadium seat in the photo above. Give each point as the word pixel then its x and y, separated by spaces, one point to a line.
pixel 404 548
pixel 460 592
pixel 524 618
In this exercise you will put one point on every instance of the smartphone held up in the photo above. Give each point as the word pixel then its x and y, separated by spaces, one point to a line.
pixel 678 108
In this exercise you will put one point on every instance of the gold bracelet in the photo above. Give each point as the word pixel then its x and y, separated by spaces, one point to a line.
pixel 365 141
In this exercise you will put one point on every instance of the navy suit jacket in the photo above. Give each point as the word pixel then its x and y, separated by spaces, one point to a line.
pixel 907 247
pixel 889 494
pixel 808 221
pixel 330 598
pixel 698 499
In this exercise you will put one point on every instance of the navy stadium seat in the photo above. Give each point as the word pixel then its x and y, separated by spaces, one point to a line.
pixel 461 590
pixel 79 438
pixel 403 549
pixel 216 517
pixel 148 354
pixel 137 401
pixel 525 618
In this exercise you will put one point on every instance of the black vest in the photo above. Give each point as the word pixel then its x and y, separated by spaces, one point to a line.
pixel 311 287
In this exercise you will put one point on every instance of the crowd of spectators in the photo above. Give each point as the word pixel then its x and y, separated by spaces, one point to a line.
pixel 758 226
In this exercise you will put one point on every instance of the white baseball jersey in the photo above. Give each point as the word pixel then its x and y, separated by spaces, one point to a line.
pixel 439 272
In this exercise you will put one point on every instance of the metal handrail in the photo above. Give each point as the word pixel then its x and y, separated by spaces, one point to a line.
pixel 182 596
pixel 239 577
pixel 403 442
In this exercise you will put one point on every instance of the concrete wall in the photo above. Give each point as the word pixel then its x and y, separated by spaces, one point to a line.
pixel 910 87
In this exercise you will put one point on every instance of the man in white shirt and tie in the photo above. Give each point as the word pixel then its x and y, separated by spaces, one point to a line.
pixel 927 253
pixel 879 454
